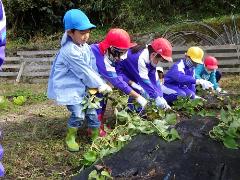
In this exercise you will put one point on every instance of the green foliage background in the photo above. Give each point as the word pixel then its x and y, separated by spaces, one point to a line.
pixel 25 18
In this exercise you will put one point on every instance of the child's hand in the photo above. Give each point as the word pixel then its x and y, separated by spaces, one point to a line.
pixel 104 89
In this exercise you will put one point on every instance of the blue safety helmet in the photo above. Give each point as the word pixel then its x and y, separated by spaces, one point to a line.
pixel 76 19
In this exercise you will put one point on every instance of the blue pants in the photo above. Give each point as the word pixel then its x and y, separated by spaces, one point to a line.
pixel 78 116
pixel 218 75
pixel 183 91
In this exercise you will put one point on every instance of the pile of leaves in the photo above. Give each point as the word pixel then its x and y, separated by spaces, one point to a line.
pixel 128 124
pixel 188 107
pixel 228 129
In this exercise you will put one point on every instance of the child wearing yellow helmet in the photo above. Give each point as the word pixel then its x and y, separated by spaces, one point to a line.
pixel 180 77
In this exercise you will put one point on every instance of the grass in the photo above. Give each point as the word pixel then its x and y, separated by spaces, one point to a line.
pixel 33 135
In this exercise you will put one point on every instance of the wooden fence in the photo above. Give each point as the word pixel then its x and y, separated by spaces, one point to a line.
pixel 35 65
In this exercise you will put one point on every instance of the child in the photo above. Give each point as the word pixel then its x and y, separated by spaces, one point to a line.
pixel 180 77
pixel 208 71
pixel 139 68
pixel 2 57
pixel 73 73
pixel 108 53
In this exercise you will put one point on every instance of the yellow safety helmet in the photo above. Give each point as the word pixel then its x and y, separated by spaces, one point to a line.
pixel 196 54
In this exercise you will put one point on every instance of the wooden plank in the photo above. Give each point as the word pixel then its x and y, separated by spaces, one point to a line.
pixel 208 48
pixel 230 70
pixel 215 54
pixel 36 74
pixel 20 71
pixel 35 53
pixel 224 55
pixel 37 67
pixel 7 74
pixel 11 66
pixel 12 59
pixel 221 62
pixel 224 70
pixel 229 62
pixel 40 59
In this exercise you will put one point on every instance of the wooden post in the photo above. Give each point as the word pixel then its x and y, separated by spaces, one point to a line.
pixel 20 70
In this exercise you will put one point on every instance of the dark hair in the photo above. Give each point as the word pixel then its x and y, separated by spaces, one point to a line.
pixel 138 48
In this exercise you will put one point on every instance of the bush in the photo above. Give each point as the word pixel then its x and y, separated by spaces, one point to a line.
pixel 28 17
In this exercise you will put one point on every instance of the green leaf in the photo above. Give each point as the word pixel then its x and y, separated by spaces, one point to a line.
pixel 106 174
pixel 229 142
pixel 223 115
pixel 232 132
pixel 123 116
pixel 93 175
pixel 124 138
pixel 174 134
pixel 20 100
pixel 171 119
pixel 104 152
pixel 93 106
pixel 90 156
pixel 3 103
pixel 131 126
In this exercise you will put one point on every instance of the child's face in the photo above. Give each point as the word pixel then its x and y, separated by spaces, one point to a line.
pixel 156 58
pixel 160 74
pixel 209 70
pixel 79 37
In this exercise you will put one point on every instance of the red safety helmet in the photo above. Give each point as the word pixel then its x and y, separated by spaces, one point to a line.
pixel 163 47
pixel 118 38
pixel 211 62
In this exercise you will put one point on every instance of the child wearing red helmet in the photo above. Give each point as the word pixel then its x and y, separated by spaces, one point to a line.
pixel 107 54
pixel 208 71
pixel 139 69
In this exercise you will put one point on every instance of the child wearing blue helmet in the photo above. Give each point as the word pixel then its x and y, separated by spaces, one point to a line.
pixel 74 72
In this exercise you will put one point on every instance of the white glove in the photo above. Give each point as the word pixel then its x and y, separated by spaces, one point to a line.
pixel 208 84
pixel 136 86
pixel 199 81
pixel 142 101
pixel 198 97
pixel 204 83
pixel 219 89
pixel 104 89
pixel 162 103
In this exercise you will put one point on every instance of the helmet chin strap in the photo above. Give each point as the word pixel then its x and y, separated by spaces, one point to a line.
pixel 111 58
